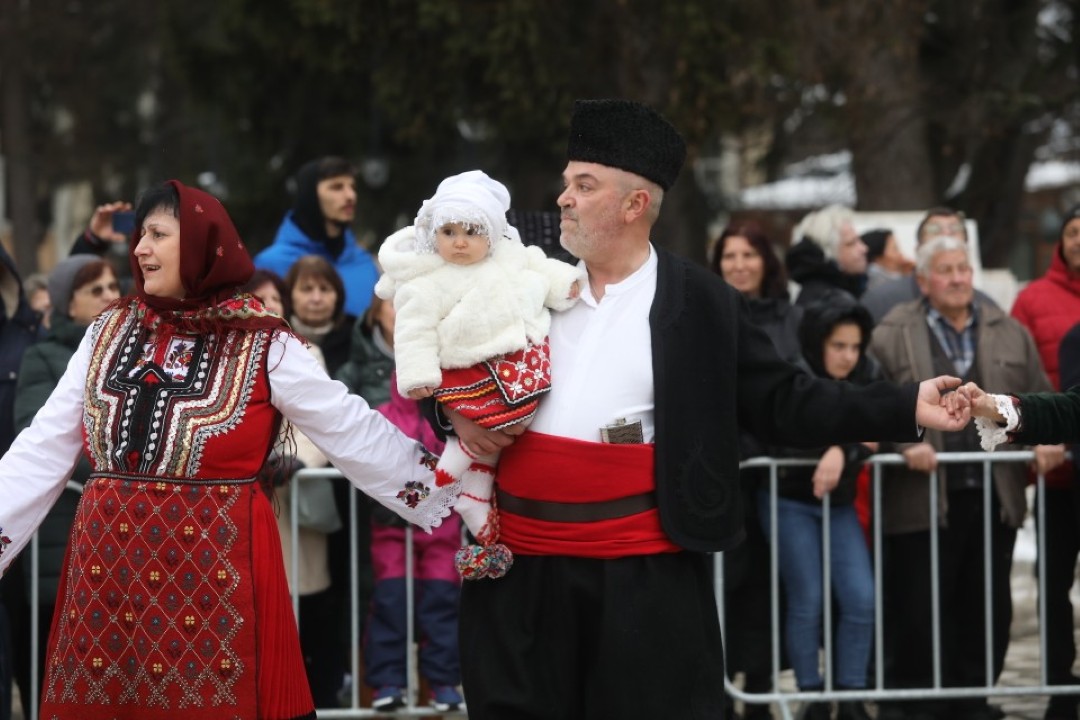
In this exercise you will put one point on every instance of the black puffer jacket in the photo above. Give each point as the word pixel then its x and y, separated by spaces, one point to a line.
pixel 19 326
pixel 819 277
pixel 780 321
pixel 42 366
pixel 818 322
pixel 368 369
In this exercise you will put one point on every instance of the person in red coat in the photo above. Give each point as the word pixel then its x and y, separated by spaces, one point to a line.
pixel 1048 307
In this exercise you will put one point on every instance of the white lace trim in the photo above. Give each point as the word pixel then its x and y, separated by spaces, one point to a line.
pixel 991 434
pixel 429 513
pixel 434 217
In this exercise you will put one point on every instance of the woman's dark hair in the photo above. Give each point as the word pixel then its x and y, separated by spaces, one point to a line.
pixel 315 266
pixel 160 197
pixel 774 279
pixel 819 321
pixel 260 277
pixel 87 274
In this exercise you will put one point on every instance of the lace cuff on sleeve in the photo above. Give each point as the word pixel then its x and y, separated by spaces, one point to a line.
pixel 426 504
pixel 991 434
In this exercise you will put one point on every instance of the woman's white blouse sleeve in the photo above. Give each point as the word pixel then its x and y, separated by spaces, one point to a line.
pixel 34 471
pixel 367 448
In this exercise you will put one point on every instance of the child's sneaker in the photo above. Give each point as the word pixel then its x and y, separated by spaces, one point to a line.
pixel 446 698
pixel 389 697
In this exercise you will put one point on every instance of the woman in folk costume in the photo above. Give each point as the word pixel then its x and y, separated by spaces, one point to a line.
pixel 174 598
pixel 472 321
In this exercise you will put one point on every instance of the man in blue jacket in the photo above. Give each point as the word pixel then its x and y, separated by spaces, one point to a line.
pixel 318 224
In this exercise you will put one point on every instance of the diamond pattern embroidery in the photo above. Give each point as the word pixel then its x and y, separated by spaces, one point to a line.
pixel 152 606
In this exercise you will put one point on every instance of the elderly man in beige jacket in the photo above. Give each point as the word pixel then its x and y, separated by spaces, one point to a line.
pixel 950 330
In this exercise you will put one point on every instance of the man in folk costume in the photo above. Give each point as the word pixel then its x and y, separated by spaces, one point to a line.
pixel 628 474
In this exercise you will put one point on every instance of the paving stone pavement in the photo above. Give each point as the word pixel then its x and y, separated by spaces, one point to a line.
pixel 1022 661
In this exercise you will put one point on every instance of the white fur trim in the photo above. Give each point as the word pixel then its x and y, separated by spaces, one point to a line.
pixel 455 316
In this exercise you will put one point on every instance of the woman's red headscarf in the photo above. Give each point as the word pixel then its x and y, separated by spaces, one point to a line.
pixel 213 265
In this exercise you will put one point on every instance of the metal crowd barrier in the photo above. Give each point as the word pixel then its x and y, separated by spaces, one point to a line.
pixel 354 710
pixel 30 708
pixel 782 699
pixel 878 692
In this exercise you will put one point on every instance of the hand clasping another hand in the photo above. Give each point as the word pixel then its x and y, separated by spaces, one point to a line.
pixel 980 402
pixel 939 410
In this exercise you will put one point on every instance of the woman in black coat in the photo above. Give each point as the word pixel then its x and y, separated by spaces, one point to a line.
pixel 744 257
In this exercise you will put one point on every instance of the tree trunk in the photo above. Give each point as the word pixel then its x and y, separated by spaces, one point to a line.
pixel 684 218
pixel 890 158
pixel 645 73
pixel 15 142
pixel 885 122
pixel 996 189
pixel 986 106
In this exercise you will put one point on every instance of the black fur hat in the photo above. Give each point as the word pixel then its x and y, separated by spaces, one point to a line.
pixel 626 135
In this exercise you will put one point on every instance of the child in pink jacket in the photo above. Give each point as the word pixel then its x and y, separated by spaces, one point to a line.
pixel 436 591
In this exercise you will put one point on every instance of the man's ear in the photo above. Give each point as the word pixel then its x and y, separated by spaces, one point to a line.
pixel 637 204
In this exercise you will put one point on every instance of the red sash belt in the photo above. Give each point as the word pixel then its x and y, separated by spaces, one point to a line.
pixel 559 496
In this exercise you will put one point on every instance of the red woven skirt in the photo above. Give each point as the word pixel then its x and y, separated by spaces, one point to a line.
pixel 174 603
pixel 499 392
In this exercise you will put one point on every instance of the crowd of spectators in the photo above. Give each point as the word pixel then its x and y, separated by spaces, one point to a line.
pixel 909 319
pixel 861 311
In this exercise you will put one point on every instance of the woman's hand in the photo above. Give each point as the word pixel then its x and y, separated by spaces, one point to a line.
pixel 982 403
pixel 827 472
pixel 421 392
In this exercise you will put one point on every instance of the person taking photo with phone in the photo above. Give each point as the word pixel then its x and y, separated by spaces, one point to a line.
pixel 111 225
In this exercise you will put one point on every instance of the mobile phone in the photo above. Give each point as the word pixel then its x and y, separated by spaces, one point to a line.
pixel 123 222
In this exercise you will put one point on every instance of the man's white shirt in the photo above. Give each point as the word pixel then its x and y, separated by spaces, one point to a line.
pixel 601 361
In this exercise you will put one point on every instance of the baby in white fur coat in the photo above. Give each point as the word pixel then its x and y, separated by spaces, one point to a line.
pixel 473 315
